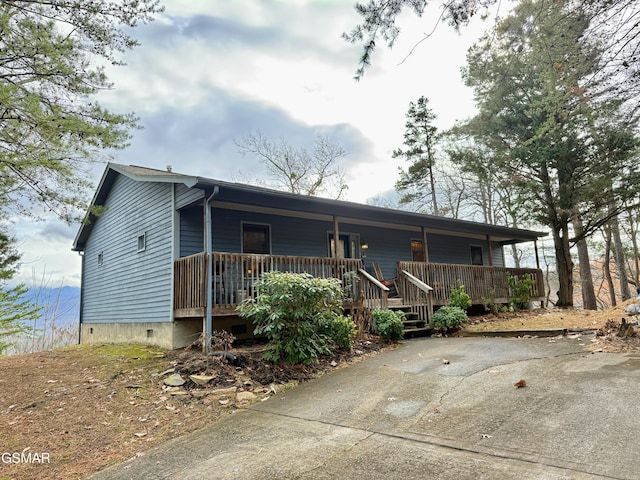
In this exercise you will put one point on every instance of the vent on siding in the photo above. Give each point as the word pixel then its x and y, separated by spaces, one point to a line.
pixel 142 242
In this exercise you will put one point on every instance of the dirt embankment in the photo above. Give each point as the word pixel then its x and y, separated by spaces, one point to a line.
pixel 68 413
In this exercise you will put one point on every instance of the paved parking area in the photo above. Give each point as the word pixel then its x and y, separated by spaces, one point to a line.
pixel 405 414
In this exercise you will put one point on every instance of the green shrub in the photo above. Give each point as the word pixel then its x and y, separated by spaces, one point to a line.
pixel 447 319
pixel 388 324
pixel 342 332
pixel 520 291
pixel 294 311
pixel 459 298
pixel 490 304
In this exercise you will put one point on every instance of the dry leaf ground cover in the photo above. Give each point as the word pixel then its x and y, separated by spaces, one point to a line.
pixel 570 319
pixel 67 413
pixel 75 411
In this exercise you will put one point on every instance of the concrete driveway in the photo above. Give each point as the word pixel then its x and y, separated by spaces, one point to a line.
pixel 405 414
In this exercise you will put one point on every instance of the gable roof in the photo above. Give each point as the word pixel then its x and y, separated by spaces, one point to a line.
pixel 261 197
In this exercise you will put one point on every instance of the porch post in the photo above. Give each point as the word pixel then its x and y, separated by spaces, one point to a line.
pixel 336 237
pixel 208 327
pixel 490 250
pixel 424 245
pixel 535 247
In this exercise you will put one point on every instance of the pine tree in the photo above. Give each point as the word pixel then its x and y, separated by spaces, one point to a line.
pixel 15 310
pixel 51 57
pixel 417 182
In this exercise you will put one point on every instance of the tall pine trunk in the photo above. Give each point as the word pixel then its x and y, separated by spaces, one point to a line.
pixel 621 261
pixel 636 253
pixel 434 197
pixel 584 263
pixel 564 264
pixel 606 266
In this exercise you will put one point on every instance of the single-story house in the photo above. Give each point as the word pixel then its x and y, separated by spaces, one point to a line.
pixel 167 256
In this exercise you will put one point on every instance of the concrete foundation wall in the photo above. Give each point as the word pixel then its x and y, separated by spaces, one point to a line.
pixel 167 335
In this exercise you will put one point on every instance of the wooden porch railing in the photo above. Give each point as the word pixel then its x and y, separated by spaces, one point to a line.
pixel 190 285
pixel 481 283
pixel 416 294
pixel 235 275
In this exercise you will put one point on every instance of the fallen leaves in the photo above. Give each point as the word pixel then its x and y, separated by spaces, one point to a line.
pixel 110 404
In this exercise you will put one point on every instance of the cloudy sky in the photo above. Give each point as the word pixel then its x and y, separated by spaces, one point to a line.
pixel 209 72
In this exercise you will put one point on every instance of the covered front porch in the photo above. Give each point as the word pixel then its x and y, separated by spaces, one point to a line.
pixel 215 284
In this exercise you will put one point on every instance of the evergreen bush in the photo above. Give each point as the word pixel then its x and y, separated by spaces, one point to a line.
pixel 388 324
pixel 342 332
pixel 520 291
pixel 459 298
pixel 447 319
pixel 295 312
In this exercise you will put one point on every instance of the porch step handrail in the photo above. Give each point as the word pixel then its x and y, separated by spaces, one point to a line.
pixel 416 294
pixel 374 293
pixel 373 280
pixel 417 282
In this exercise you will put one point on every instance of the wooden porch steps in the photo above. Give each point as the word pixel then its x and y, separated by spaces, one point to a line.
pixel 413 325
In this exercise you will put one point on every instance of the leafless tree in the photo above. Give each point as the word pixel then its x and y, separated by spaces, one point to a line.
pixel 308 171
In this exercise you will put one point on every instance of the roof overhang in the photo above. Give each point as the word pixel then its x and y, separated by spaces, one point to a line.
pixel 356 213
pixel 260 198
pixel 111 172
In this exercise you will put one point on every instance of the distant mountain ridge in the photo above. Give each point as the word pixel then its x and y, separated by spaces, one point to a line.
pixel 60 306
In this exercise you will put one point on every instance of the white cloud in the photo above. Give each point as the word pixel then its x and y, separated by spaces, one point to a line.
pixel 46 253
pixel 209 72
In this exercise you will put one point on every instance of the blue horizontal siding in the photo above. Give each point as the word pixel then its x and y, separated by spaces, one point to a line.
pixel 186 196
pixel 304 237
pixel 191 231
pixel 130 286
pixel 289 236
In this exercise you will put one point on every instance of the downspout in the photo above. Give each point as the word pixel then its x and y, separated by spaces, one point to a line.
pixel 81 253
pixel 209 248
pixel 174 243
pixel 336 237
pixel 493 280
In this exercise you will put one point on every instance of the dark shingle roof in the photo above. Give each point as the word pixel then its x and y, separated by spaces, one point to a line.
pixel 265 197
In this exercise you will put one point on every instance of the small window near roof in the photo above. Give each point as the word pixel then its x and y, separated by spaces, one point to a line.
pixel 100 258
pixel 142 242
